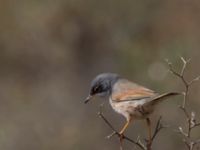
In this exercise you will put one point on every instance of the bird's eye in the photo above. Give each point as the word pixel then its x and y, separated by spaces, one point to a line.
pixel 97 89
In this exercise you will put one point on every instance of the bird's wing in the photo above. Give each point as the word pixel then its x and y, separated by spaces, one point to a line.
pixel 159 98
pixel 125 90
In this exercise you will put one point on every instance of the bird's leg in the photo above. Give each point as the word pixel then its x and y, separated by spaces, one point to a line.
pixel 124 128
pixel 148 121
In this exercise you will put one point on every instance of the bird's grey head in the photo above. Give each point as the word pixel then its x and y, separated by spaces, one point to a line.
pixel 102 85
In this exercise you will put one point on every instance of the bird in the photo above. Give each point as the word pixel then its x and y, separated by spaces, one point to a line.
pixel 131 100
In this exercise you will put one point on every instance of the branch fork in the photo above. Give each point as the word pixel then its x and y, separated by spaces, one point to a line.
pixel 189 117
pixel 136 142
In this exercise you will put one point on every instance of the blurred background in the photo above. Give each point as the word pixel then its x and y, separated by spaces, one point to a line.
pixel 51 50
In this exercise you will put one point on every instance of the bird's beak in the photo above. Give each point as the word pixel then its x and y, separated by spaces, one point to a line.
pixel 88 99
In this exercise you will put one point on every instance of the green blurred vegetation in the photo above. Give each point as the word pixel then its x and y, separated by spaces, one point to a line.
pixel 50 50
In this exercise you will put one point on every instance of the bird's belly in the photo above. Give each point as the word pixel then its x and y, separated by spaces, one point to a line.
pixel 132 109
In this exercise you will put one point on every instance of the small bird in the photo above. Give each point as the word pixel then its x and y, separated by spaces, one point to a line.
pixel 129 99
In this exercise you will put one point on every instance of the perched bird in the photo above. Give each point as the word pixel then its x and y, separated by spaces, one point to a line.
pixel 127 98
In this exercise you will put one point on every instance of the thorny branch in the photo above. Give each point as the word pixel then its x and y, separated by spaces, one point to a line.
pixel 137 142
pixel 159 127
pixel 190 117
pixel 115 132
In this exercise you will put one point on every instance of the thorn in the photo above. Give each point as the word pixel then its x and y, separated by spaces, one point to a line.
pixel 138 138
pixel 166 60
pixel 180 129
pixel 197 78
pixel 193 114
pixel 111 135
pixel 188 60
pixel 183 93
pixel 183 60
pixel 99 114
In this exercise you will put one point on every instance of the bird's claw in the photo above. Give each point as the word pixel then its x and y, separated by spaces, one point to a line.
pixel 148 141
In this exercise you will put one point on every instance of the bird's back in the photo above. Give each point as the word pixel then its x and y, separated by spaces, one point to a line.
pixel 127 97
pixel 124 89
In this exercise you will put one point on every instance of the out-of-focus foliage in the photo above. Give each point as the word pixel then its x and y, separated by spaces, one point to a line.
pixel 50 50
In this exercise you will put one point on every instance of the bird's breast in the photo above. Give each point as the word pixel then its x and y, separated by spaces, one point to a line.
pixel 131 108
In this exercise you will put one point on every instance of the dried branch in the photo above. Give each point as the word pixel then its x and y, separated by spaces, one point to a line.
pixel 158 128
pixel 138 142
pixel 190 117
pixel 115 132
pixel 181 77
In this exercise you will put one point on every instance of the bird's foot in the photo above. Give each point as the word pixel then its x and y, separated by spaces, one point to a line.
pixel 121 137
pixel 148 143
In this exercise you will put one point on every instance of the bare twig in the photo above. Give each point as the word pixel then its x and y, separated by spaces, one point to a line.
pixel 190 117
pixel 194 80
pixel 138 142
pixel 159 127
pixel 181 77
pixel 115 132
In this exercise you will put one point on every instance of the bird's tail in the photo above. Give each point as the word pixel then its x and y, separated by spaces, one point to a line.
pixel 162 97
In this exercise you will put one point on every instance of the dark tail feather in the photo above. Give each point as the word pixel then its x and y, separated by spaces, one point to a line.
pixel 162 97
